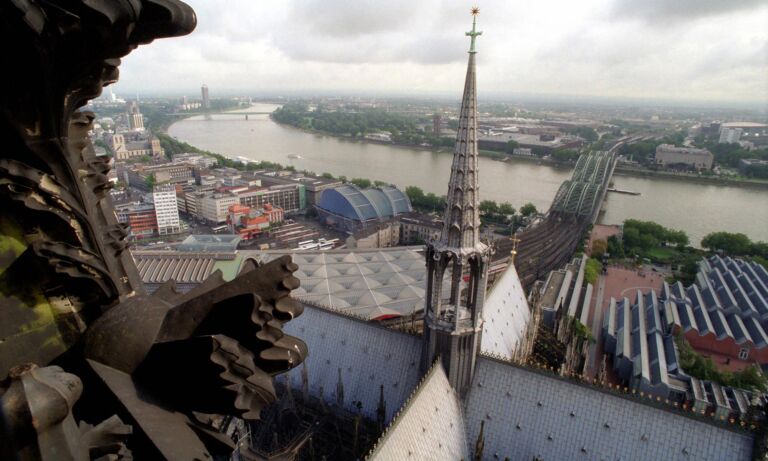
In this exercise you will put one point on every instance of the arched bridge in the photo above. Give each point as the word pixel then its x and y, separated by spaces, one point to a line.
pixel 551 242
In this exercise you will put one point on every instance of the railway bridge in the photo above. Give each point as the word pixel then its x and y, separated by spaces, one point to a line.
pixel 551 242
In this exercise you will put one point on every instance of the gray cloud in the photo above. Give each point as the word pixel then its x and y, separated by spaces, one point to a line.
pixel 349 18
pixel 551 46
pixel 668 11
pixel 371 31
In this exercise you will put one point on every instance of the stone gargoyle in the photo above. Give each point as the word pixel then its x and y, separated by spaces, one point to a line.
pixel 91 366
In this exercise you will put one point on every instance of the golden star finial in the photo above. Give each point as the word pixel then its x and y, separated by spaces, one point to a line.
pixel 475 11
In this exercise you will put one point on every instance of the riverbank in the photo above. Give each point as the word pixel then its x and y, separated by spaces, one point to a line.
pixel 505 157
pixel 624 170
pixel 493 155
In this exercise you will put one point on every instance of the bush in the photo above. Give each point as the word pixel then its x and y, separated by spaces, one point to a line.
pixel 599 247
pixel 592 271
pixel 750 378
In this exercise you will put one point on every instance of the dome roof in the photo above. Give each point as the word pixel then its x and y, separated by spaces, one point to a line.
pixel 352 202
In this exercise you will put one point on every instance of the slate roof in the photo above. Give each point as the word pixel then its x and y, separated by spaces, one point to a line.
pixel 506 314
pixel 529 414
pixel 366 354
pixel 729 300
pixel 430 425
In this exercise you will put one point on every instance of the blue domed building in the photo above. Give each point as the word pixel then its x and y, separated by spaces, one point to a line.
pixel 350 208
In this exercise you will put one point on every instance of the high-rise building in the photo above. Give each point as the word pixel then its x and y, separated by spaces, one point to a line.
pixel 453 325
pixel 166 209
pixel 730 135
pixel 206 97
pixel 135 119
pixel 436 124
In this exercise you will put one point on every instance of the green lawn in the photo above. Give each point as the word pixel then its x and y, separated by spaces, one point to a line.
pixel 664 254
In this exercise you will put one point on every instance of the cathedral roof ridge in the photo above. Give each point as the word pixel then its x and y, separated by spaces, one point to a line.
pixel 350 315
pixel 403 409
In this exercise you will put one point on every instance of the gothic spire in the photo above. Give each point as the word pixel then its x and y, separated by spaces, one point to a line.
pixel 453 318
pixel 461 228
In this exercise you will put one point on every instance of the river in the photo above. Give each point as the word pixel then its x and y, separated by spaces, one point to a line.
pixel 697 209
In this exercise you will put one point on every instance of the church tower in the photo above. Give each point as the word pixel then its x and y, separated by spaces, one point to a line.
pixel 453 323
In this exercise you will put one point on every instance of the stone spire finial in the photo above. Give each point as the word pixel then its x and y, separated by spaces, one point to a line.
pixel 453 324
pixel 474 32
pixel 461 228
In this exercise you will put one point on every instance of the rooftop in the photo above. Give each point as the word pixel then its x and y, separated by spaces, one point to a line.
pixel 210 243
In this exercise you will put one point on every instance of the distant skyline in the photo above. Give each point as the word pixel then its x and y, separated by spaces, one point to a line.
pixel 707 51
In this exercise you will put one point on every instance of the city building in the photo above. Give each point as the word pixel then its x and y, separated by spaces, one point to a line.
pixel 670 156
pixel 756 133
pixel 166 209
pixel 350 208
pixel 384 235
pixel 213 207
pixel 135 119
pixel 751 166
pixel 288 197
pixel 249 222
pixel 138 176
pixel 544 142
pixel 564 296
pixel 133 147
pixel 206 97
pixel 418 228
pixel 197 160
pixel 313 185
pixel 725 313
pixel 140 218
pixel 730 135
pixel 644 355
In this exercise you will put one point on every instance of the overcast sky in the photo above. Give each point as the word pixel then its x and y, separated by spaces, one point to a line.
pixel 703 50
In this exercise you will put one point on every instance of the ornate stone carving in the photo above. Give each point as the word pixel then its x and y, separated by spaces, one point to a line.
pixel 70 296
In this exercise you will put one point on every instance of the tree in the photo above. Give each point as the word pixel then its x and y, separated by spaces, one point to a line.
pixel 327 176
pixel 361 182
pixel 425 202
pixel 506 209
pixel 489 207
pixel 415 195
pixel 528 209
pixel 646 235
pixel 733 244
pixel 615 247
pixel 750 378
pixel 565 155
pixel 150 181
pixel 512 145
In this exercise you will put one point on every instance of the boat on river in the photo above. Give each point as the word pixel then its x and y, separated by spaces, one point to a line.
pixel 622 191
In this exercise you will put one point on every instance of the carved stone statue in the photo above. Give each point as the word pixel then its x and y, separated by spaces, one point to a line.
pixel 91 366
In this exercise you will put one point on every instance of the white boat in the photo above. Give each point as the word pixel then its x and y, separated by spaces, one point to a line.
pixel 294 156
